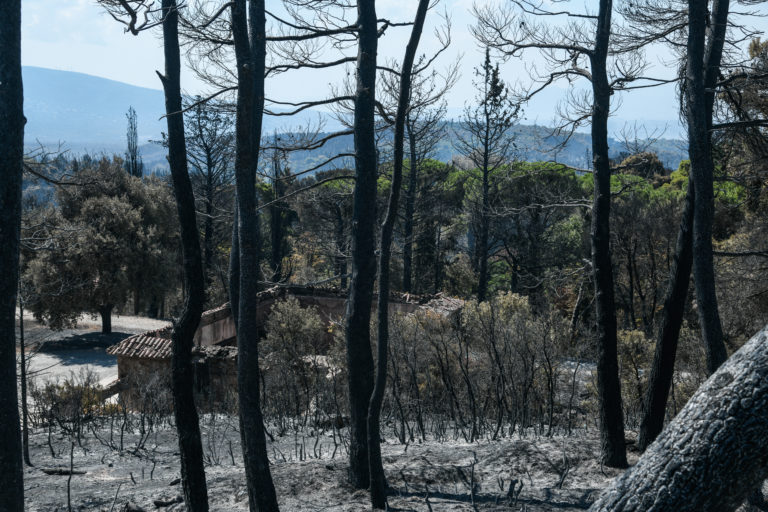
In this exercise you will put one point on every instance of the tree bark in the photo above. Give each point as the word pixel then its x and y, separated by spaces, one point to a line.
pixel 698 114
pixel 182 336
pixel 378 480
pixel 608 384
pixel 714 453
pixel 663 368
pixel 250 55
pixel 106 318
pixel 358 315
pixel 11 158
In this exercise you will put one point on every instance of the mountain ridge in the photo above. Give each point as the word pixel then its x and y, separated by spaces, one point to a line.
pixel 86 113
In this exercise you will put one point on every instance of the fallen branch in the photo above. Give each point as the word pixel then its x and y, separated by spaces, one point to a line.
pixel 62 471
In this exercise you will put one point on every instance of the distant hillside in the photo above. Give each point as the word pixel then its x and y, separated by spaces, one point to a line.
pixel 534 143
pixel 87 113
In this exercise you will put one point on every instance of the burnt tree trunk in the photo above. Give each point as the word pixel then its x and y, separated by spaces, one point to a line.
pixel 410 208
pixel 378 480
pixel 663 368
pixel 358 315
pixel 664 358
pixel 714 453
pixel 182 369
pixel 608 384
pixel 250 55
pixel 11 157
pixel 702 171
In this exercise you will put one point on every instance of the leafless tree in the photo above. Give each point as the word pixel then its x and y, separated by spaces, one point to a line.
pixel 578 45
pixel 378 482
pixel 424 128
pixel 699 38
pixel 210 148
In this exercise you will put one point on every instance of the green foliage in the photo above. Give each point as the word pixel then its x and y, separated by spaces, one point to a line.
pixel 111 234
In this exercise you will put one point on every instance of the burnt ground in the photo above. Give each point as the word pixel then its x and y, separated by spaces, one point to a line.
pixel 551 474
pixel 560 473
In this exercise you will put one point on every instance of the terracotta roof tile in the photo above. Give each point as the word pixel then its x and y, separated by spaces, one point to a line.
pixel 150 345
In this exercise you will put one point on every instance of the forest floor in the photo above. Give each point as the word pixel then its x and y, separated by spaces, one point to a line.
pixel 548 473
pixel 560 473
pixel 551 473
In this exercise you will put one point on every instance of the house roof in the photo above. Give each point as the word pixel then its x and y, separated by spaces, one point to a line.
pixel 149 345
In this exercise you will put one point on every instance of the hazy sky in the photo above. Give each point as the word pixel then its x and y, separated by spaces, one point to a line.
pixel 76 35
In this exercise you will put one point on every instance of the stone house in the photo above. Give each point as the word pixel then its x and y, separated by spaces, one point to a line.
pixel 146 358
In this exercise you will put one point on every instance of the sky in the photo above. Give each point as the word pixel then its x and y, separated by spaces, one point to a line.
pixel 76 35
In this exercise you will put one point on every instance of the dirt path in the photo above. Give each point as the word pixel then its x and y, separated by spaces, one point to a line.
pixel 55 355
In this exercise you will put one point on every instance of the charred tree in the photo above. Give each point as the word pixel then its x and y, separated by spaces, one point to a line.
pixel 340 239
pixel 410 209
pixel 651 20
pixel 702 71
pixel 182 369
pixel 23 380
pixel 662 370
pixel 714 454
pixel 358 316
pixel 250 56
pixel 487 142
pixel 105 312
pixel 209 140
pixel 378 484
pixel 11 158
pixel 608 384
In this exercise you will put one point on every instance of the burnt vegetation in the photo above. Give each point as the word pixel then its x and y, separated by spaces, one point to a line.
pixel 468 334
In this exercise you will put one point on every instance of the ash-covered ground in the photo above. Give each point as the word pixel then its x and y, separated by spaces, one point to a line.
pixel 114 464
pixel 548 474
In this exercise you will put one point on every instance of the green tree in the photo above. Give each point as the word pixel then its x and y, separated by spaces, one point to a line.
pixel 486 140
pixel 111 232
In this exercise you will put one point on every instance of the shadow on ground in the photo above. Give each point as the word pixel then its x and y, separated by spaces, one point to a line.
pixel 82 341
